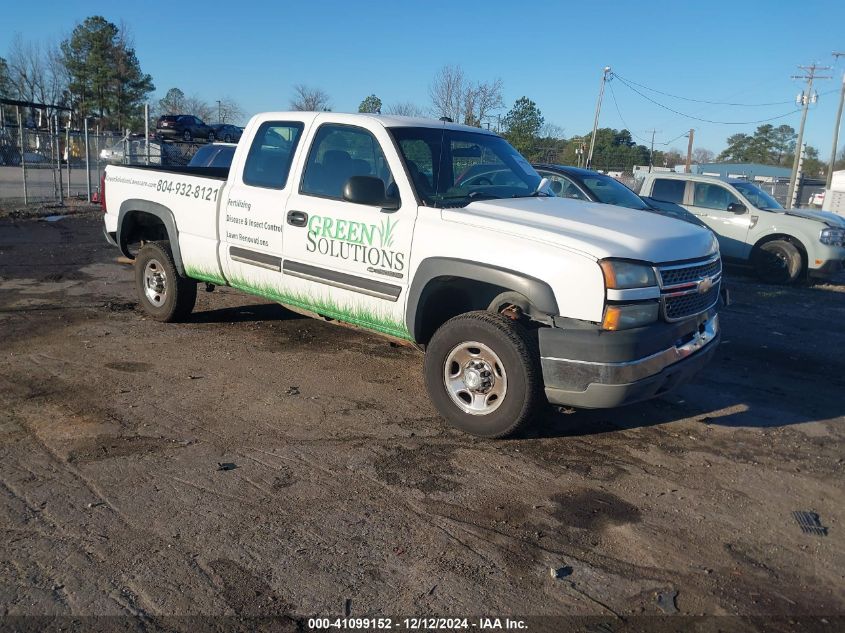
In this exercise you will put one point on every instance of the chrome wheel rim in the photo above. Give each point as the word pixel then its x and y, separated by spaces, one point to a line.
pixel 475 378
pixel 155 283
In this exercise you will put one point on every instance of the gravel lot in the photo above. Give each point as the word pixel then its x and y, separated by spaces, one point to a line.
pixel 342 491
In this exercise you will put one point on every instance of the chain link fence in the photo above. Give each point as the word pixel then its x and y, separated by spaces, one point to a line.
pixel 54 165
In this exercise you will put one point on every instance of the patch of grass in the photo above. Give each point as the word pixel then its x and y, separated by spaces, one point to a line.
pixel 194 272
pixel 360 315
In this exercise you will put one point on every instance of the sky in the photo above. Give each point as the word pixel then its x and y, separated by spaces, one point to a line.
pixel 551 52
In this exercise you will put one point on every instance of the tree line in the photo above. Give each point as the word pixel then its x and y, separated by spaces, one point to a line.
pixel 95 72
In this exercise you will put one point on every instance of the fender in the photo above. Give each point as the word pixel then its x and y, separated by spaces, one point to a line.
pixel 162 213
pixel 538 292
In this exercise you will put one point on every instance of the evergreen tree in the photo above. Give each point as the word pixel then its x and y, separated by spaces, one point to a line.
pixel 105 76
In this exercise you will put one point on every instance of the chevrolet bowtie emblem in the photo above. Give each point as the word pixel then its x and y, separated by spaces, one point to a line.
pixel 705 285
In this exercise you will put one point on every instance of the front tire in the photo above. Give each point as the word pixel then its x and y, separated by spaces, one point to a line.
pixel 187 137
pixel 778 262
pixel 162 292
pixel 482 374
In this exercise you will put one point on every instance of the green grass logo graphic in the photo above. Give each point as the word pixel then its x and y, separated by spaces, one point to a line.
pixel 385 231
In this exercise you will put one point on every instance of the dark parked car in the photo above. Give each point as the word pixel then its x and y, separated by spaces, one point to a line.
pixel 185 127
pixel 584 184
pixel 214 155
pixel 227 133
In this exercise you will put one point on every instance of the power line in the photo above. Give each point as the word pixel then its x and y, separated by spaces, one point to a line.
pixel 727 103
pixel 628 127
pixel 695 118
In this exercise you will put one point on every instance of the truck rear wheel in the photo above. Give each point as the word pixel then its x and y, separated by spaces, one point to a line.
pixel 162 292
pixel 778 262
pixel 482 374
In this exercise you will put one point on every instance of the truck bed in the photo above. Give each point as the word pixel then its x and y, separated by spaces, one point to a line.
pixel 217 173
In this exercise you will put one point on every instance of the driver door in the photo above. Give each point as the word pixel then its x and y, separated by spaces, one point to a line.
pixel 710 202
pixel 345 260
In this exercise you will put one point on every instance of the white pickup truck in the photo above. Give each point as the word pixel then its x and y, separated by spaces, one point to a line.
pixel 783 245
pixel 441 236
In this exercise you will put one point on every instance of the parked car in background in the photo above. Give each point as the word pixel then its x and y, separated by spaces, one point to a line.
pixel 214 155
pixel 133 151
pixel 585 184
pixel 227 133
pixel 185 127
pixel 783 245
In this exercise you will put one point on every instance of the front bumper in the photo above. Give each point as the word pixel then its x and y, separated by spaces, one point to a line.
pixel 594 369
pixel 828 269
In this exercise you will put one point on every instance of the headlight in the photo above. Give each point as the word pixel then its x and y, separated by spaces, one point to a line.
pixel 832 237
pixel 624 317
pixel 621 275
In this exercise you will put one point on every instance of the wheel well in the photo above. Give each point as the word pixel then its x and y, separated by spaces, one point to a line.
pixel 141 226
pixel 786 238
pixel 447 297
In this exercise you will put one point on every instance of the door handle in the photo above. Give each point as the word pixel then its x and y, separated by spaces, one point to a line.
pixel 297 218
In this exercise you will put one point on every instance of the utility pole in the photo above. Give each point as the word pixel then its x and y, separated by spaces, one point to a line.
pixel 604 77
pixel 651 153
pixel 691 135
pixel 805 98
pixel 219 112
pixel 836 126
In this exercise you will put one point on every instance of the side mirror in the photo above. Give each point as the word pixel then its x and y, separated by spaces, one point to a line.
pixel 368 190
pixel 557 187
pixel 736 207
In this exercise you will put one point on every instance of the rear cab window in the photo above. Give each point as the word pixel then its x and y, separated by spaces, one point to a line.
pixel 668 190
pixel 270 156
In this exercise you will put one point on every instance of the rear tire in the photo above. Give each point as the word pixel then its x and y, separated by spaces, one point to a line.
pixel 187 137
pixel 483 375
pixel 778 262
pixel 162 292
pixel 211 137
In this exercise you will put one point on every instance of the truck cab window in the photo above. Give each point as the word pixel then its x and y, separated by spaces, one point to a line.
pixel 710 196
pixel 667 190
pixel 338 153
pixel 271 153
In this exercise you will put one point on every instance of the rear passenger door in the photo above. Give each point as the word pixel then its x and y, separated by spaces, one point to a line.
pixel 344 260
pixel 252 217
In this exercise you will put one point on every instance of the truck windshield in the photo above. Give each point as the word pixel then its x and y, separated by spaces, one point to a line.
pixel 451 168
pixel 611 191
pixel 757 196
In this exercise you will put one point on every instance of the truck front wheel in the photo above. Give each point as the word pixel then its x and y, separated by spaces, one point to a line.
pixel 778 262
pixel 482 374
pixel 162 292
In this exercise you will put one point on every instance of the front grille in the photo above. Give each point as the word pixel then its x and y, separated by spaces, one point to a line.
pixel 684 306
pixel 681 287
pixel 692 273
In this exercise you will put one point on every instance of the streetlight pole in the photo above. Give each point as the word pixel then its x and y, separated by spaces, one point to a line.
pixel 836 127
pixel 604 76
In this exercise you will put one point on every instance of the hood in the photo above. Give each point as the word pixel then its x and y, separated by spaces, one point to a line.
pixel 825 217
pixel 594 229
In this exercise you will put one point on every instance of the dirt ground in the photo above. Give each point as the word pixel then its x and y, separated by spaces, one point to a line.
pixel 256 463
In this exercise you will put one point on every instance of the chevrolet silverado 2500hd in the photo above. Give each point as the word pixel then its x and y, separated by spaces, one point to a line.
pixel 782 245
pixel 442 236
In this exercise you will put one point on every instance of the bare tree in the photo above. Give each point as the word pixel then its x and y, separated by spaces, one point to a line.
pixel 309 99
pixel 454 96
pixel 36 75
pixel 701 155
pixel 405 108
pixel 230 111
pixel 447 93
